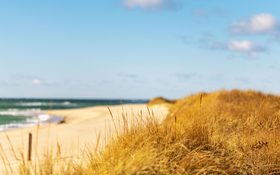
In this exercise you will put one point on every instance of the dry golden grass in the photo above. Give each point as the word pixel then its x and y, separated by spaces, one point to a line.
pixel 226 132
pixel 161 100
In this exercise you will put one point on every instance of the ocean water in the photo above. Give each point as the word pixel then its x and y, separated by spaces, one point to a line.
pixel 16 113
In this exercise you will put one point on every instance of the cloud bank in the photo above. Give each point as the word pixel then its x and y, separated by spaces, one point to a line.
pixel 260 25
pixel 245 47
pixel 263 23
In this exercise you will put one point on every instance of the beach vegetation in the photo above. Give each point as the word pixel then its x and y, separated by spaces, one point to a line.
pixel 224 132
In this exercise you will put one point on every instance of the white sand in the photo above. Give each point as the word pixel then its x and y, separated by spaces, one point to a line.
pixel 80 130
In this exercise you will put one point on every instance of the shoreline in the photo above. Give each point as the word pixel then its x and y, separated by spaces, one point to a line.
pixel 79 131
pixel 53 119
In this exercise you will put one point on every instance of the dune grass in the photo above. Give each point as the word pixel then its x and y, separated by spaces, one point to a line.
pixel 160 100
pixel 225 132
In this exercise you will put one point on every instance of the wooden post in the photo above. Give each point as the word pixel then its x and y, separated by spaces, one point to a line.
pixel 29 146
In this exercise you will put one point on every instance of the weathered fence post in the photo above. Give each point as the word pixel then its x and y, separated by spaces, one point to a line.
pixel 29 146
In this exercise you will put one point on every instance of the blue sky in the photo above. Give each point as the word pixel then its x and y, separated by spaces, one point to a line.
pixel 137 48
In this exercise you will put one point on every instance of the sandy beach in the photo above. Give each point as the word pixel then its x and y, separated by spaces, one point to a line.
pixel 79 131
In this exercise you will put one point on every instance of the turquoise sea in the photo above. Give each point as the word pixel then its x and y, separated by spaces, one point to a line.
pixel 16 113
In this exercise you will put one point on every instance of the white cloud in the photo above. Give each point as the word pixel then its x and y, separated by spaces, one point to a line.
pixel 152 4
pixel 245 46
pixel 143 3
pixel 258 24
pixel 241 46
pixel 36 82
